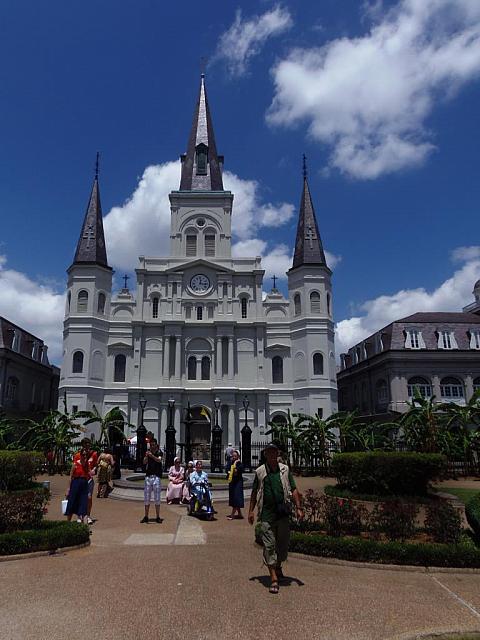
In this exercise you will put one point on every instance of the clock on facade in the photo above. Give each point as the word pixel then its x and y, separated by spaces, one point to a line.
pixel 199 283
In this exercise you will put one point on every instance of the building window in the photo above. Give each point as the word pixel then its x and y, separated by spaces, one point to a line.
pixel 420 386
pixel 12 389
pixel 382 392
pixel 74 408
pixel 205 368
pixel 317 364
pixel 199 313
pixel 192 368
pixel 16 340
pixel 155 307
pixel 328 304
pixel 69 301
pixel 451 388
pixel 191 246
pixel 188 312
pixel 210 245
pixel 277 370
pixel 225 290
pixel 101 303
pixel 202 152
pixel 379 343
pixel 297 304
pixel 476 384
pixel 244 303
pixel 445 340
pixel 119 368
pixel 77 362
pixel 413 340
pixel 210 312
pixel 82 301
pixel 315 302
pixel 475 339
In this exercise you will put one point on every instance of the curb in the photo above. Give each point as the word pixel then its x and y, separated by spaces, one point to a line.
pixel 47 552
pixel 382 567
pixel 438 635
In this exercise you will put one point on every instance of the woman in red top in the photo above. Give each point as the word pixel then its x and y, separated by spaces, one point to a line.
pixel 77 493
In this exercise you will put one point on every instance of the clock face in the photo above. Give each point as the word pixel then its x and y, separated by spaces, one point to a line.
pixel 199 283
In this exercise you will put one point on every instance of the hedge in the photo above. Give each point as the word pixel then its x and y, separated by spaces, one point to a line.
pixel 387 473
pixel 50 535
pixel 22 509
pixel 334 491
pixel 18 468
pixel 472 512
pixel 465 554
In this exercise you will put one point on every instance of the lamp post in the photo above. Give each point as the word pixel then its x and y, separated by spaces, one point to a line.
pixel 246 439
pixel 188 443
pixel 216 446
pixel 141 433
pixel 170 435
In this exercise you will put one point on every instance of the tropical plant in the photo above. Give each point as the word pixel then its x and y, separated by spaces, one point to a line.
pixel 7 432
pixel 286 435
pixel 112 423
pixel 462 424
pixel 421 424
pixel 318 439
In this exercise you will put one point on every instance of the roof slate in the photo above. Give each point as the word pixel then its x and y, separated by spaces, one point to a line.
pixel 91 244
pixel 308 244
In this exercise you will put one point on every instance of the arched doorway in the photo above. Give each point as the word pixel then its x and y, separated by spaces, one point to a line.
pixel 200 432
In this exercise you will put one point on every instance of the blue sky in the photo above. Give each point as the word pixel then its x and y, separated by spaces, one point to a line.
pixel 382 97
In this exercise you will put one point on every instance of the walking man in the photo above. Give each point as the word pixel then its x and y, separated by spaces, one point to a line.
pixel 273 491
pixel 153 475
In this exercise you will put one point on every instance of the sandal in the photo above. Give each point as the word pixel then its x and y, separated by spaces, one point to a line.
pixel 274 587
pixel 230 517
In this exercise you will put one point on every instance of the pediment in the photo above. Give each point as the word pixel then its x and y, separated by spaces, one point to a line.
pixel 200 262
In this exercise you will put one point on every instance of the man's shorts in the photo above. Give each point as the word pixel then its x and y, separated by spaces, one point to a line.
pixel 275 538
pixel 91 485
pixel 152 483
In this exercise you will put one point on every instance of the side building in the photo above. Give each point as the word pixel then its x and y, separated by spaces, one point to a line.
pixel 436 353
pixel 28 382
pixel 198 331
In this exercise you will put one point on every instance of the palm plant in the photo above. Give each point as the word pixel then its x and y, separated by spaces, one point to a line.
pixel 111 423
pixel 421 424
pixel 318 438
pixel 463 427
pixel 7 432
pixel 287 436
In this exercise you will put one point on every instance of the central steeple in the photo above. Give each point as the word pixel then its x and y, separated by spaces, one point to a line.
pixel 201 165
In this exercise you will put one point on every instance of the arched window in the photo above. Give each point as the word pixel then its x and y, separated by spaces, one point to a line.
pixel 277 370
pixel 155 307
pixel 225 290
pixel 209 243
pixel 12 388
pixel 101 303
pixel 119 368
pixel 315 302
pixel 202 152
pixel 297 304
pixel 451 388
pixel 244 303
pixel 192 368
pixel 205 368
pixel 328 304
pixel 188 312
pixel 199 313
pixel 77 362
pixel 381 389
pixel 82 301
pixel 279 420
pixel 419 385
pixel 69 301
pixel 317 364
pixel 191 245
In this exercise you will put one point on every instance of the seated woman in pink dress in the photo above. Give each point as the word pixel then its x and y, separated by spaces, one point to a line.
pixel 175 485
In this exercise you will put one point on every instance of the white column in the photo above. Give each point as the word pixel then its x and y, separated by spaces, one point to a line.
pixel 178 343
pixel 219 358
pixel 230 358
pixel 166 359
pixel 199 368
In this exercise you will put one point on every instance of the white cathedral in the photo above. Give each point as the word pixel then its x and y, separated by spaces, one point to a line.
pixel 198 327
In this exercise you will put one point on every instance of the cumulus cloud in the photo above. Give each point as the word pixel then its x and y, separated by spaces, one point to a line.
pixel 142 225
pixel 245 38
pixel 34 306
pixel 369 97
pixel 451 295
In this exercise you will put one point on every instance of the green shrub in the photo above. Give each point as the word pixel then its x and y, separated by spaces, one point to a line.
pixel 387 473
pixel 334 490
pixel 49 536
pixel 22 509
pixel 395 519
pixel 472 512
pixel 18 468
pixel 443 522
pixel 342 516
pixel 465 554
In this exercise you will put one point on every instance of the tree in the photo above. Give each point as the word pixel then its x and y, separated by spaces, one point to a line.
pixel 286 435
pixel 421 424
pixel 462 424
pixel 111 423
pixel 318 439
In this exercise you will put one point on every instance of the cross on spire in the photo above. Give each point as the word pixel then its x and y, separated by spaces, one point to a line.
pixel 310 236
pixel 96 165
pixel 304 168
pixel 274 278
pixel 89 234
pixel 125 280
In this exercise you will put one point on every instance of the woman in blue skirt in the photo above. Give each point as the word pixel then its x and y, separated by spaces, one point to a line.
pixel 235 487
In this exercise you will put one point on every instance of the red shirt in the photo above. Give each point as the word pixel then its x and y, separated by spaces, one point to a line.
pixel 84 468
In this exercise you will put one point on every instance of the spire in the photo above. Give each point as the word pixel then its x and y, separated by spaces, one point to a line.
pixel 201 166
pixel 91 244
pixel 308 245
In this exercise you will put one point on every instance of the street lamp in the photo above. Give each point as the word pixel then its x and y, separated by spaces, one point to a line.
pixel 141 433
pixel 170 435
pixel 216 448
pixel 246 438
pixel 188 424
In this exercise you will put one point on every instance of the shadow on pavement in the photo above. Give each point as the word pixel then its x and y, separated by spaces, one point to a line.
pixel 286 581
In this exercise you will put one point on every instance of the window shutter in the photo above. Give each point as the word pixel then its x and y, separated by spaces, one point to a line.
pixel 210 245
pixel 191 246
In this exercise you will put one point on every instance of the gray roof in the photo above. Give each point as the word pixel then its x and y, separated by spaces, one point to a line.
pixel 202 133
pixel 308 244
pixel 442 316
pixel 91 244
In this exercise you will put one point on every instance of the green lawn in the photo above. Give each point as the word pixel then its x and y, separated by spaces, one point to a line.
pixel 463 494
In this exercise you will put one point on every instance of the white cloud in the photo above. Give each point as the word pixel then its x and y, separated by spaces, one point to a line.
pixel 369 97
pixel 245 38
pixel 34 307
pixel 142 225
pixel 451 295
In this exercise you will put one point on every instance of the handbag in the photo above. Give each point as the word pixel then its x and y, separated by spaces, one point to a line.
pixel 283 508
pixel 64 507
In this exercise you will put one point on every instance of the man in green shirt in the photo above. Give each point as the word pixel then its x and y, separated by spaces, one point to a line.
pixel 273 491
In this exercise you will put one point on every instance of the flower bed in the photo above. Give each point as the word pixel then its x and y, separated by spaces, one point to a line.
pixel 48 536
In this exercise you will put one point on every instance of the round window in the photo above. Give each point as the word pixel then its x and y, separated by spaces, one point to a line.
pixel 200 222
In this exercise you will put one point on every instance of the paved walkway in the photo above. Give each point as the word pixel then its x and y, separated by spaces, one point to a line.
pixel 188 579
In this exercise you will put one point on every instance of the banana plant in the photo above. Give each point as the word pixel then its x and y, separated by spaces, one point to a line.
pixel 112 422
